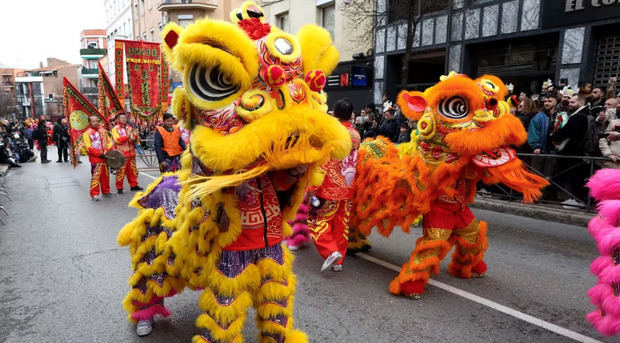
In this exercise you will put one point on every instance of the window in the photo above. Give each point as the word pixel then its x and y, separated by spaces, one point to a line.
pixel 283 21
pixel 152 35
pixel 185 19
pixel 328 19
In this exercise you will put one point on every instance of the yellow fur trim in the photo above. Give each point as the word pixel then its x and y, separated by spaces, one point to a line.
pixel 267 138
pixel 317 50
pixel 219 333
pixel 224 314
pixel 182 107
pixel 243 11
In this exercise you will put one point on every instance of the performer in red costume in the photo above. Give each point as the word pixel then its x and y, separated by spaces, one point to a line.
pixel 331 207
pixel 97 143
pixel 125 138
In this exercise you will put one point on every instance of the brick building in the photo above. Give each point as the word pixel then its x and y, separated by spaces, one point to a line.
pixel 40 90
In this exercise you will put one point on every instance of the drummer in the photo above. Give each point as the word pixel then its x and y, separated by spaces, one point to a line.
pixel 125 138
pixel 97 143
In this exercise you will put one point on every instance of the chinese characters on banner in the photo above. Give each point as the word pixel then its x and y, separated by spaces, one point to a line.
pixel 147 75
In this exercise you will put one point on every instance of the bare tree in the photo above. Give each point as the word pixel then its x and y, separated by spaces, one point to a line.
pixel 402 11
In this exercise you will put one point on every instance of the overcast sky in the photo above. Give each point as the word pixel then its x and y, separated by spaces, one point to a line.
pixel 32 30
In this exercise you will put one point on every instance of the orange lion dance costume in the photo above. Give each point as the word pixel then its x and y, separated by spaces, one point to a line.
pixel 463 136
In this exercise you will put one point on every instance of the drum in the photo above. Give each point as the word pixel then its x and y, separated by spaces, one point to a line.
pixel 115 159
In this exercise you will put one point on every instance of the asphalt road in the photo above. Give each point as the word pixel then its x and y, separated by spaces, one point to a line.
pixel 62 278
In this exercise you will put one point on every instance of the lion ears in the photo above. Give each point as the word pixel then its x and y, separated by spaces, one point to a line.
pixel 412 104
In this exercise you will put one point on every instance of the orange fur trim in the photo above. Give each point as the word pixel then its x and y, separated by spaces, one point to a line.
pixel 514 175
pixel 505 130
pixel 462 264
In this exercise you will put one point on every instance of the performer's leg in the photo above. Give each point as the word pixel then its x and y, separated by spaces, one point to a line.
pixel 274 298
pixel 95 176
pixel 132 171
pixel 430 249
pixel 471 243
pixel 341 228
pixel 105 178
pixel 321 229
pixel 120 175
pixel 225 301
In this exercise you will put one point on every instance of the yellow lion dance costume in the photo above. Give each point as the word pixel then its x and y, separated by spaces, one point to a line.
pixel 463 135
pixel 253 99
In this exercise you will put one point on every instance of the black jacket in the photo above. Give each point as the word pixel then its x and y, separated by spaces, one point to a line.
pixel 40 135
pixel 575 131
pixel 61 134
pixel 390 129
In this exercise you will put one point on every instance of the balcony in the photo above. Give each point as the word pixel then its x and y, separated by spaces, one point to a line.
pixel 90 70
pixel 205 5
pixel 92 53
pixel 90 90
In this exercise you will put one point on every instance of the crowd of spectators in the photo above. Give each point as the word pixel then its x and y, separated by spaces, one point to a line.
pixel 570 134
pixel 14 146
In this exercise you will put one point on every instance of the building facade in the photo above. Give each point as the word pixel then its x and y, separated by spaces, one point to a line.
pixel 9 107
pixel 524 42
pixel 118 25
pixel 93 48
pixel 353 76
pixel 40 91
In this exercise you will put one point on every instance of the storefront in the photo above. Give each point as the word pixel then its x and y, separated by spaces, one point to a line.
pixel 352 80
pixel 524 42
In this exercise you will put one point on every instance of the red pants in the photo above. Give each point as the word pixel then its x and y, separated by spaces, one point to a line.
pixel 131 170
pixel 329 227
pixel 99 177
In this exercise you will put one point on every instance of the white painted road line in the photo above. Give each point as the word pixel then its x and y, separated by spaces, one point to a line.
pixel 486 302
pixel 147 175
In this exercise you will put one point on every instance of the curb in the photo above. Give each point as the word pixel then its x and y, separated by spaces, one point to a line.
pixel 558 215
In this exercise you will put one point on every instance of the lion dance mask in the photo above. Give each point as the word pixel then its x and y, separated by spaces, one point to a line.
pixel 464 131
pixel 253 98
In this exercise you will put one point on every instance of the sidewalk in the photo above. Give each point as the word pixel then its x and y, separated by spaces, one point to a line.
pixel 544 212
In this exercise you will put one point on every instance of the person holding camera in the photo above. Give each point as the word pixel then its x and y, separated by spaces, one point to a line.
pixel 609 143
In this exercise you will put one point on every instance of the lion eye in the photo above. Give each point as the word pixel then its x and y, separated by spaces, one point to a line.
pixel 210 84
pixel 454 108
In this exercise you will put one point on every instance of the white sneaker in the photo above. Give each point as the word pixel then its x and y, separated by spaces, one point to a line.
pixel 331 259
pixel 144 327
pixel 337 267
pixel 96 197
pixel 572 203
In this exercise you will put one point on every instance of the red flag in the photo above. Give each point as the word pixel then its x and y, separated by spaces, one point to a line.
pixel 77 111
pixel 108 103
pixel 118 68
pixel 144 71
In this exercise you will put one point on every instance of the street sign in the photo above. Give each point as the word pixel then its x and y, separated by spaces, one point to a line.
pixel 569 12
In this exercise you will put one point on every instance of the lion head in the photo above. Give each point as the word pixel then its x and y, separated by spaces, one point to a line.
pixel 460 119
pixel 253 94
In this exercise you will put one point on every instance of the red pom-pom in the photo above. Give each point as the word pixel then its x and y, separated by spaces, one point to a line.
pixel 316 80
pixel 274 76
pixel 254 28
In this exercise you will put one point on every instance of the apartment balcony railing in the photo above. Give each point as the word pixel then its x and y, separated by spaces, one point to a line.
pixel 90 90
pixel 167 5
pixel 93 52
pixel 90 71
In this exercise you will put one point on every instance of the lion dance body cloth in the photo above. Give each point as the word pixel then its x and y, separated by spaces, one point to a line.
pixel 463 135
pixel 253 99
pixel 605 228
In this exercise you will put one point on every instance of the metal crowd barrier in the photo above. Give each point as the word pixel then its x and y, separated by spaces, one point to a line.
pixel 593 163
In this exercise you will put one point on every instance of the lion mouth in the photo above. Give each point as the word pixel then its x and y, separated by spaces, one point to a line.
pixel 495 157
